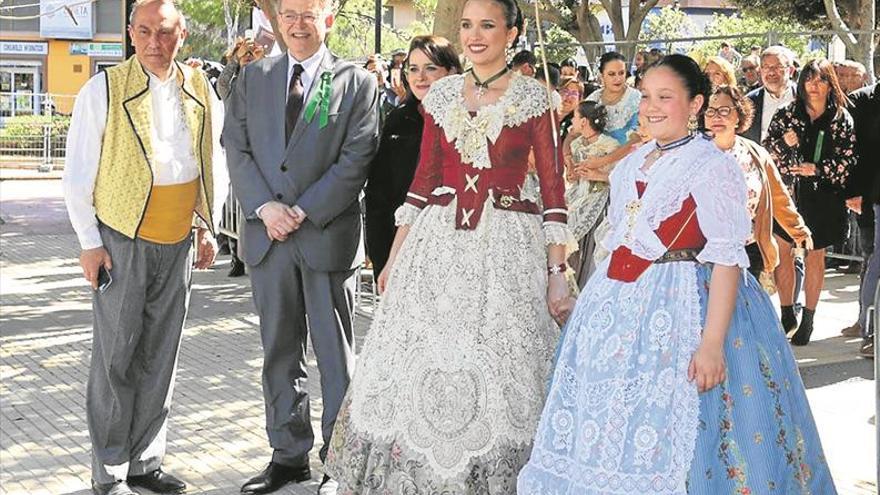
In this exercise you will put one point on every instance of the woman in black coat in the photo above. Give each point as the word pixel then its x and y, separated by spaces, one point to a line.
pixel 813 144
pixel 429 59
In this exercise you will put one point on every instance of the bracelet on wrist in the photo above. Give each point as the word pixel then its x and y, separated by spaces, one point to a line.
pixel 557 269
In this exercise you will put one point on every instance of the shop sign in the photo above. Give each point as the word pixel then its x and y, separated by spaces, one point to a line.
pixel 96 49
pixel 70 19
pixel 24 48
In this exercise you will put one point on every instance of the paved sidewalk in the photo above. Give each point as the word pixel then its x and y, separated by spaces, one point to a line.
pixel 216 436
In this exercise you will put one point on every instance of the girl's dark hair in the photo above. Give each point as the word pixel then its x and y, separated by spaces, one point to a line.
pixel 743 106
pixel 824 70
pixel 610 57
pixel 569 62
pixel 690 74
pixel 513 17
pixel 595 113
pixel 438 50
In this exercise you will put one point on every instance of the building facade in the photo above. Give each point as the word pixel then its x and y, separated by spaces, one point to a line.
pixel 46 60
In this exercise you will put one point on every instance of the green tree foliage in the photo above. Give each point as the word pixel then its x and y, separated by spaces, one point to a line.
pixel 353 35
pixel 206 27
pixel 749 22
pixel 560 44
pixel 670 22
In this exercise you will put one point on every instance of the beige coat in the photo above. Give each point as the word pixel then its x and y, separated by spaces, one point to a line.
pixel 775 204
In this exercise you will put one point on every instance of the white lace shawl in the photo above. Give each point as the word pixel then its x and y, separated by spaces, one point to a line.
pixel 700 169
pixel 525 98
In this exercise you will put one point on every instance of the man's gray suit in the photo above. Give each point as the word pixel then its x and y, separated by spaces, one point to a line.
pixel 322 171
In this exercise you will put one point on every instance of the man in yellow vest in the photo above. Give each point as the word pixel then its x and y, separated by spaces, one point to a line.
pixel 144 170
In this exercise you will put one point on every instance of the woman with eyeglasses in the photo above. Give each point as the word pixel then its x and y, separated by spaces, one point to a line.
pixel 813 143
pixel 571 91
pixel 430 58
pixel 729 112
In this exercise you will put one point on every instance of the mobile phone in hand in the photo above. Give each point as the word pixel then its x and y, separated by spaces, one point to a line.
pixel 104 279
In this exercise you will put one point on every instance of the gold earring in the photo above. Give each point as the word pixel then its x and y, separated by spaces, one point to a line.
pixel 692 123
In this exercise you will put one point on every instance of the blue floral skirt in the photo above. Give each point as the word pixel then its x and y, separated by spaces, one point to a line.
pixel 622 418
pixel 756 432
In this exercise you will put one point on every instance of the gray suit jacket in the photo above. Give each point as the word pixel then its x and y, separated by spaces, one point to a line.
pixel 321 170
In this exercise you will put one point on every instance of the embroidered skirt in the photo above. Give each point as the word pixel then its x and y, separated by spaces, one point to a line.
pixel 621 417
pixel 453 372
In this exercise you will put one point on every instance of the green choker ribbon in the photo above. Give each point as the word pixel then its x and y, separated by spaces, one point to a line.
pixel 321 98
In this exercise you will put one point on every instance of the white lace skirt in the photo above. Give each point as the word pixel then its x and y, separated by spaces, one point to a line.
pixel 451 380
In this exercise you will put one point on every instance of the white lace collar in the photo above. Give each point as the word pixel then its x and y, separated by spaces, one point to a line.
pixel 671 179
pixel 525 98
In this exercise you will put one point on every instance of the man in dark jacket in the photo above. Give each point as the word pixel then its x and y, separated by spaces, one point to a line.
pixel 865 181
pixel 777 90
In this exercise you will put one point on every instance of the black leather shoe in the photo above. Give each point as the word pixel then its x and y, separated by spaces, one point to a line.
pixel 274 477
pixel 329 486
pixel 117 488
pixel 158 482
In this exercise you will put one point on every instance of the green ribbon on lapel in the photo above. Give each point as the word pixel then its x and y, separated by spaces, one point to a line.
pixel 321 98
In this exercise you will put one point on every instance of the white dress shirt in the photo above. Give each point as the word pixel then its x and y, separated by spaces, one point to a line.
pixel 772 104
pixel 173 159
pixel 310 70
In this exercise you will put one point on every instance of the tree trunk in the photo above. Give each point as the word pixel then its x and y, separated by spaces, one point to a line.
pixel 268 8
pixel 860 47
pixel 446 19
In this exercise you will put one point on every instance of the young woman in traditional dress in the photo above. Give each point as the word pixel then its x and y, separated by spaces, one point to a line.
pixel 673 376
pixel 453 373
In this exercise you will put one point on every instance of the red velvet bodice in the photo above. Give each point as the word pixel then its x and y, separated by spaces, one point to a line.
pixel 440 164
pixel 627 267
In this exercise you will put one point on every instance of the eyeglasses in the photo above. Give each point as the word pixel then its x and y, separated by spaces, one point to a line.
pixel 774 68
pixel 570 92
pixel 749 69
pixel 724 111
pixel 290 17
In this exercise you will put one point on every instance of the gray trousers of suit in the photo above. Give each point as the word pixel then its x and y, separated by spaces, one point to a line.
pixel 295 302
pixel 138 325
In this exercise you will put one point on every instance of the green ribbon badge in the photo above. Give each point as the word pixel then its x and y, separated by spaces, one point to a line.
pixel 321 98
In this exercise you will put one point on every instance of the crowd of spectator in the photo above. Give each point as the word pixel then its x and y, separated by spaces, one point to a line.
pixel 813 122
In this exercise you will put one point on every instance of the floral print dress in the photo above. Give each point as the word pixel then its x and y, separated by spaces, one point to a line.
pixel 819 199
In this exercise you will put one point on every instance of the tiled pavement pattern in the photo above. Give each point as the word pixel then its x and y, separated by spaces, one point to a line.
pixel 216 436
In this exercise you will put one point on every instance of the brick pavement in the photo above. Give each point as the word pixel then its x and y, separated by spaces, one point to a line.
pixel 216 438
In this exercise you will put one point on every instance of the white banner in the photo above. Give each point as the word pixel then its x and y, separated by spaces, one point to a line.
pixel 75 22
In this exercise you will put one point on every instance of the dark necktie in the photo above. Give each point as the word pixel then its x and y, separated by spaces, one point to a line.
pixel 294 100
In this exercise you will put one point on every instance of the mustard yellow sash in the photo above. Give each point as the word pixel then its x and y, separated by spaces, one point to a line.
pixel 169 214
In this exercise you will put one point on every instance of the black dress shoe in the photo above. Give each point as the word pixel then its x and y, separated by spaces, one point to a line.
pixel 117 488
pixel 274 477
pixel 329 486
pixel 158 482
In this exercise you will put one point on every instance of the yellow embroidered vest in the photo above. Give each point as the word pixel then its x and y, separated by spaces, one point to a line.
pixel 125 178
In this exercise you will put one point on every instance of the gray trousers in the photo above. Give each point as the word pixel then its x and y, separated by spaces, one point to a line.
pixel 138 325
pixel 293 302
